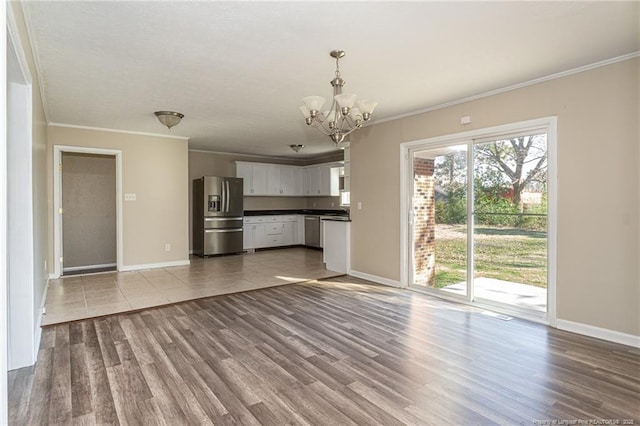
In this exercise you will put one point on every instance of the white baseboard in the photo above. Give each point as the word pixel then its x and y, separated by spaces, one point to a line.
pixel 127 268
pixel 375 278
pixel 599 333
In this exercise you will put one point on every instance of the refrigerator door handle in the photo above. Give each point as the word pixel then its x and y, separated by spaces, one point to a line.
pixel 223 202
pixel 227 199
pixel 210 231
pixel 221 219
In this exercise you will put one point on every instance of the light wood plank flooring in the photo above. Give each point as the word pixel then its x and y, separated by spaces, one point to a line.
pixel 332 352
pixel 80 297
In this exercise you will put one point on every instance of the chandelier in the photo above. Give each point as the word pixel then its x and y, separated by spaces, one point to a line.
pixel 342 118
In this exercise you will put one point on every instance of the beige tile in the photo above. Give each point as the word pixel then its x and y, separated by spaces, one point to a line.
pixel 148 302
pixel 118 292
pixel 59 308
pixel 108 309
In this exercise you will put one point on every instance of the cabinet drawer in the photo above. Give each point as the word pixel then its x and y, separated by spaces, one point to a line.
pixel 290 218
pixel 274 229
pixel 274 240
pixel 255 219
pixel 274 218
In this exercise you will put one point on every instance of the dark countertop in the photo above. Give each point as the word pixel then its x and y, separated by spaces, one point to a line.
pixel 337 219
pixel 318 212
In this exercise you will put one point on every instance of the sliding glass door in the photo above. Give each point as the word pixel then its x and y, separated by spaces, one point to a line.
pixel 479 221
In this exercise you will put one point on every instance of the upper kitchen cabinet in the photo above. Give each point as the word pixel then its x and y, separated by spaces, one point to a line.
pixel 322 180
pixel 255 177
pixel 277 180
pixel 285 181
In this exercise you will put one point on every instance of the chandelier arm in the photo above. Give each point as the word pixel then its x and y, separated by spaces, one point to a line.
pixel 354 123
pixel 351 131
pixel 350 123
pixel 322 128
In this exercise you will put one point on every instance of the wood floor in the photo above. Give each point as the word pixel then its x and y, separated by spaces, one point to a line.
pixel 333 352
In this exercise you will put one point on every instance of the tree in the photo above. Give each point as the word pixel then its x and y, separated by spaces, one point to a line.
pixel 450 169
pixel 522 161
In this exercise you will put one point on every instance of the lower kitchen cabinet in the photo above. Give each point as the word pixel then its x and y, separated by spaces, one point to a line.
pixel 271 231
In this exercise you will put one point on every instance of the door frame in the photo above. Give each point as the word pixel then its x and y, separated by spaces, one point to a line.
pixel 406 215
pixel 57 201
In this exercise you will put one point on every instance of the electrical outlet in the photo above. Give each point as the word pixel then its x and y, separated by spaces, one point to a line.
pixel 333 204
pixel 130 197
pixel 45 265
pixel 167 247
pixel 359 205
pixel 44 311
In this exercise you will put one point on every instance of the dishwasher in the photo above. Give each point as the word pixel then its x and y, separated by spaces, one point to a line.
pixel 312 231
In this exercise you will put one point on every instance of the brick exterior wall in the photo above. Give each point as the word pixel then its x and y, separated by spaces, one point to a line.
pixel 424 203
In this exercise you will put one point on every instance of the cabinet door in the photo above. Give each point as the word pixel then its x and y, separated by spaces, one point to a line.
pixel 245 171
pixel 273 180
pixel 247 236
pixel 324 180
pixel 298 182
pixel 329 181
pixel 313 180
pixel 289 233
pixel 259 236
pixel 259 181
pixel 306 182
pixel 286 181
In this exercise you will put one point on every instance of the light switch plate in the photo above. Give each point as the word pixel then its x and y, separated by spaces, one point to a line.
pixel 129 197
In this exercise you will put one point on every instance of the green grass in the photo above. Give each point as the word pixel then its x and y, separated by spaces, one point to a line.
pixel 507 254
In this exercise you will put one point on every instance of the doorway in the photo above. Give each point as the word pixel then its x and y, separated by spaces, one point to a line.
pixel 87 210
pixel 89 213
pixel 482 218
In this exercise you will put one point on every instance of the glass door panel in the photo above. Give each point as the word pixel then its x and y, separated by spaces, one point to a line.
pixel 510 222
pixel 439 226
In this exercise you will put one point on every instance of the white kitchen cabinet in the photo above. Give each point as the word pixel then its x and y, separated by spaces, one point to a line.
pixel 277 180
pixel 337 254
pixel 291 181
pixel 260 235
pixel 322 181
pixel 290 233
pixel 247 236
pixel 271 180
pixel 271 231
pixel 274 186
pixel 255 177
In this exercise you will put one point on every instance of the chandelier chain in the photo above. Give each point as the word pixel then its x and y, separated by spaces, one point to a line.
pixel 338 67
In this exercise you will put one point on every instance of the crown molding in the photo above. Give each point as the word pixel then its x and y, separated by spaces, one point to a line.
pixel 238 154
pixel 302 161
pixel 512 87
pixel 129 132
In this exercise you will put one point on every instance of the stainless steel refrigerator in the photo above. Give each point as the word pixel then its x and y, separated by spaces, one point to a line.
pixel 217 215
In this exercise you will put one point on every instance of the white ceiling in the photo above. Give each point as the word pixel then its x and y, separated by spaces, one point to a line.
pixel 238 70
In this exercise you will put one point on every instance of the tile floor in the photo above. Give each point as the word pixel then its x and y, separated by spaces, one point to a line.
pixel 80 297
